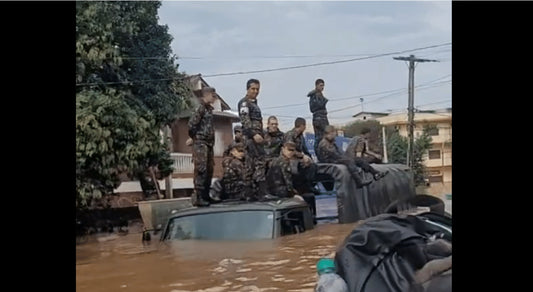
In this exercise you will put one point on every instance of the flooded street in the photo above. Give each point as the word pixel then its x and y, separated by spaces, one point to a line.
pixel 113 262
pixel 123 263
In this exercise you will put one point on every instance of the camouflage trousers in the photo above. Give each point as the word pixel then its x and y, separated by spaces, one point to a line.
pixel 203 168
pixel 254 166
pixel 319 126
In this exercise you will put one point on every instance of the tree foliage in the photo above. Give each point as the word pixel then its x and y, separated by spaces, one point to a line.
pixel 127 89
pixel 397 152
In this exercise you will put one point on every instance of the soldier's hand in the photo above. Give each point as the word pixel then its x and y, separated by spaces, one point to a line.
pixel 258 139
pixel 188 142
pixel 306 160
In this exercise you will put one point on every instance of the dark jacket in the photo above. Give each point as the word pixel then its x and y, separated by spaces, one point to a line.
pixel 317 104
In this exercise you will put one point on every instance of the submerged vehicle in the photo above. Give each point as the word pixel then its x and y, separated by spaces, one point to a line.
pixel 240 221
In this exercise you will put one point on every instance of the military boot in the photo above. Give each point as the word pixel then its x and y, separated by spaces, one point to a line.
pixel 361 180
pixel 198 201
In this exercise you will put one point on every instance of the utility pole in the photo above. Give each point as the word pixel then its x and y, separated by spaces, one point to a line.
pixel 410 108
pixel 361 100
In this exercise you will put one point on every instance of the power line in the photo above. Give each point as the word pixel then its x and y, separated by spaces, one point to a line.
pixel 324 63
pixel 266 70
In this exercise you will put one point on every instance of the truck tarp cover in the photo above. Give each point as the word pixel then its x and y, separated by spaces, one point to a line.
pixel 357 204
pixel 397 253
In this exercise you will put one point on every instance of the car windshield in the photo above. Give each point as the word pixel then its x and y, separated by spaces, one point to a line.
pixel 234 225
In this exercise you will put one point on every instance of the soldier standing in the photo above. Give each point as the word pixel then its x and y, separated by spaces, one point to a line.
pixel 203 137
pixel 329 153
pixel 317 105
pixel 252 129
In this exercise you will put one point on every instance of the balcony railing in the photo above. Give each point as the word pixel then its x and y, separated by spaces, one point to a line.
pixel 182 162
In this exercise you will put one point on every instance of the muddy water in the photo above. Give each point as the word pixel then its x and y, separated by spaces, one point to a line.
pixel 123 263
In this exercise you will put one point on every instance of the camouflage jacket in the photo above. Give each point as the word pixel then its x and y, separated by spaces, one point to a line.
pixel 356 145
pixel 272 143
pixel 279 177
pixel 233 179
pixel 201 124
pixel 298 140
pixel 317 104
pixel 328 152
pixel 251 119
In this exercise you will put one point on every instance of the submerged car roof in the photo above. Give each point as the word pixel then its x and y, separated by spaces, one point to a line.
pixel 282 204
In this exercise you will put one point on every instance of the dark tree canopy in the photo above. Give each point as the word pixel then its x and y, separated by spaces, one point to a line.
pixel 127 89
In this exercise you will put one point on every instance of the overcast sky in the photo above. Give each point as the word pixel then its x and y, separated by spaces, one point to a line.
pixel 236 36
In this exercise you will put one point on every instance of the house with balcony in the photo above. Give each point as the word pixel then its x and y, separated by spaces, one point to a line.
pixel 181 180
pixel 438 159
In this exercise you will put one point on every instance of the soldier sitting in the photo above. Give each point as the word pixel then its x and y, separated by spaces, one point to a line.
pixel 358 151
pixel 329 153
pixel 237 131
pixel 280 177
pixel 231 186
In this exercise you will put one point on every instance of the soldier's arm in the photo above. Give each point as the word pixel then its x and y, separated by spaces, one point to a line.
pixel 195 120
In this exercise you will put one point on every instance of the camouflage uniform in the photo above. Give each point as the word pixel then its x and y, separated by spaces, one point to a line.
pixel 358 145
pixel 228 149
pixel 272 145
pixel 279 178
pixel 305 177
pixel 328 152
pixel 233 179
pixel 252 124
pixel 317 105
pixel 203 135
pixel 301 148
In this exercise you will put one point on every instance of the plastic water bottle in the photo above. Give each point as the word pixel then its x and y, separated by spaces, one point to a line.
pixel 328 280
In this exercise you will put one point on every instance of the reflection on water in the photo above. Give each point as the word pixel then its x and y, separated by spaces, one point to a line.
pixel 123 263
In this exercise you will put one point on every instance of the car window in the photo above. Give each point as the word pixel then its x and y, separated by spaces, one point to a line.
pixel 234 225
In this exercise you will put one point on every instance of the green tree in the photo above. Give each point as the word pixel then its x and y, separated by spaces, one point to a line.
pixel 397 151
pixel 128 88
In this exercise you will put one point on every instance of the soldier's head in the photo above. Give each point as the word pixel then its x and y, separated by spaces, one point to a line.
pixel 272 124
pixel 238 132
pixel 237 150
pixel 208 94
pixel 330 133
pixel 252 88
pixel 299 125
pixel 288 149
pixel 319 85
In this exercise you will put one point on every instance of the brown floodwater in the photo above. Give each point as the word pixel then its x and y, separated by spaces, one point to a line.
pixel 122 263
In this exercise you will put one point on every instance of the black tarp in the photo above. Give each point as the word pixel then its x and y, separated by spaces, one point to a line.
pixel 356 204
pixel 397 253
